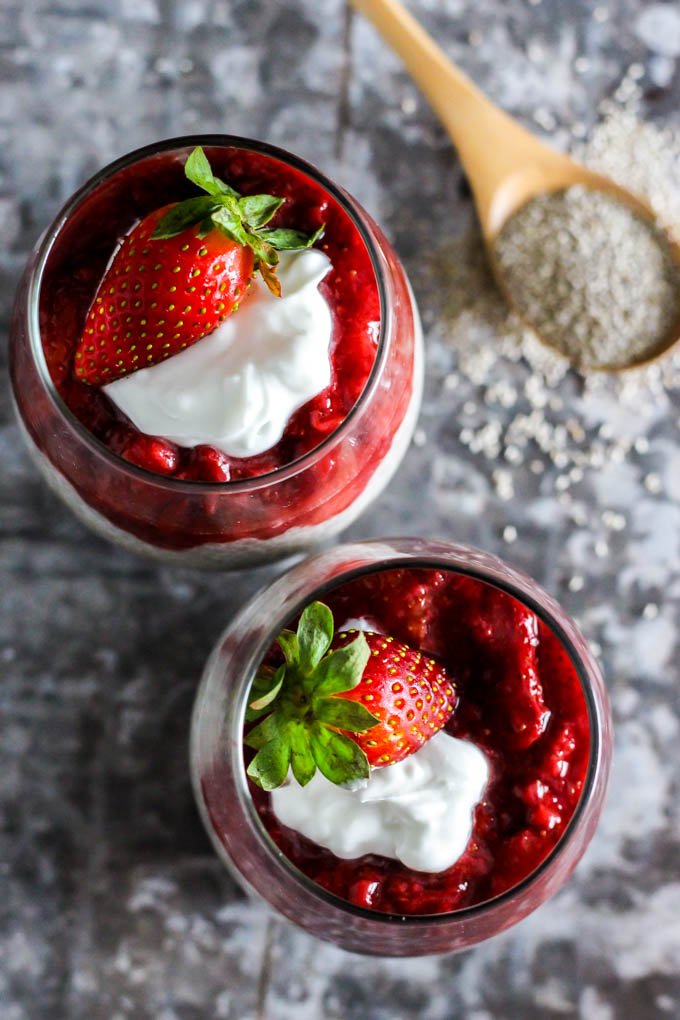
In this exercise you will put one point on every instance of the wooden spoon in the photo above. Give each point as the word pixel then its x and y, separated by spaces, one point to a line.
pixel 505 164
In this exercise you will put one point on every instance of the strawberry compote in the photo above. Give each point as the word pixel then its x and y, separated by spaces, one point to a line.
pixel 337 451
pixel 520 701
pixel 350 289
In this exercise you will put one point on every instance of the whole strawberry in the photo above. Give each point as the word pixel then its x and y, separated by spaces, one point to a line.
pixel 179 273
pixel 342 705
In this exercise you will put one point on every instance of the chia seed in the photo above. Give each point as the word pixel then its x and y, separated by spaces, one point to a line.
pixel 597 281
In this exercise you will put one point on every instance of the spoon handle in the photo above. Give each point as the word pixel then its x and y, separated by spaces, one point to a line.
pixel 490 144
pixel 455 98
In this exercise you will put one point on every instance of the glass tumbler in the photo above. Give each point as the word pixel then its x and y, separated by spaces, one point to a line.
pixel 226 805
pixel 218 524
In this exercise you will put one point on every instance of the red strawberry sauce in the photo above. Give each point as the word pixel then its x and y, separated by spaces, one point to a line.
pixel 520 701
pixel 350 290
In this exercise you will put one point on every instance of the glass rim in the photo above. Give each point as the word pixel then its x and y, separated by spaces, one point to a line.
pixel 225 141
pixel 595 754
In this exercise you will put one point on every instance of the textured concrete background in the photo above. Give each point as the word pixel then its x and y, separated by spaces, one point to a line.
pixel 112 904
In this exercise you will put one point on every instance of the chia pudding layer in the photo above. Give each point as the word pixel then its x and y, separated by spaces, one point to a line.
pixel 242 552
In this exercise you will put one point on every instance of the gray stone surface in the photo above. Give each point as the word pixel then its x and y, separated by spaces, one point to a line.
pixel 112 904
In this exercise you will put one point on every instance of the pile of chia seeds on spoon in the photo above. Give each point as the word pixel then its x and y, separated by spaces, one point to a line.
pixel 594 279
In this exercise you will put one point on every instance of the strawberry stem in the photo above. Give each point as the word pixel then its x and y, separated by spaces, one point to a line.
pixel 301 728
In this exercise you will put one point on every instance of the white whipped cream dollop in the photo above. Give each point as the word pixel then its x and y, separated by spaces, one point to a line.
pixel 418 811
pixel 365 623
pixel 237 387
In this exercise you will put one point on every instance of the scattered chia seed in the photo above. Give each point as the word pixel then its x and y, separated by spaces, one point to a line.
pixel 528 395
pixel 595 280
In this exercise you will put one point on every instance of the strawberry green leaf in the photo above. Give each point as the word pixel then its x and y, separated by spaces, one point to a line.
pixel 342 669
pixel 314 634
pixel 337 757
pixel 269 767
pixel 263 682
pixel 197 169
pixel 261 734
pixel 302 761
pixel 284 239
pixel 231 202
pixel 266 699
pixel 344 714
pixel 183 215
pixel 207 226
pixel 231 225
pixel 224 189
pixel 259 209
pixel 264 678
pixel 262 250
pixel 288 643
pixel 254 713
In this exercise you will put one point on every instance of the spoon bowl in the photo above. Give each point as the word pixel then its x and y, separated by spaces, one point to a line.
pixel 517 190
pixel 505 164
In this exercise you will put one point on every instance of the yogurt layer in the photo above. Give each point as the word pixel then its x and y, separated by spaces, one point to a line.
pixel 418 811
pixel 237 387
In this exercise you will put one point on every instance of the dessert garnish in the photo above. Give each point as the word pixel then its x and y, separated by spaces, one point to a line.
pixel 342 704
pixel 179 273
pixel 238 389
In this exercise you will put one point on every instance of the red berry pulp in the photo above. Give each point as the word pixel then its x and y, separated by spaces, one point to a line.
pixel 520 701
pixel 349 288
